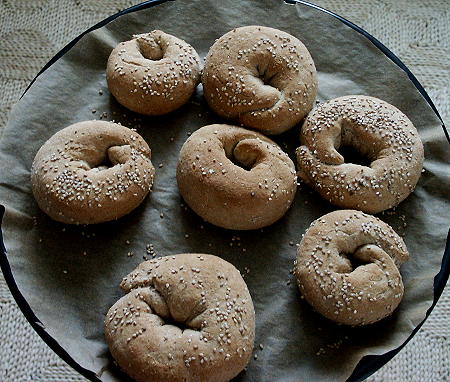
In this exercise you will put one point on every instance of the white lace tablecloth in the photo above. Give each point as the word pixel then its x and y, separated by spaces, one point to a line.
pixel 31 32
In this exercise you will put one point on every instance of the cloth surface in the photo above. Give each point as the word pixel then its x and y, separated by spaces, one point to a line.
pixel 32 32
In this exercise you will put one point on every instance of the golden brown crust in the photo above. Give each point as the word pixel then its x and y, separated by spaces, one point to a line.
pixel 353 294
pixel 261 77
pixel 377 130
pixel 235 178
pixel 154 73
pixel 187 317
pixel 92 172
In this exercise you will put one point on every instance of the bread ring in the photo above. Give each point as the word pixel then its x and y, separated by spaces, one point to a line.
pixel 235 178
pixel 154 73
pixel 376 130
pixel 347 267
pixel 184 318
pixel 261 77
pixel 91 172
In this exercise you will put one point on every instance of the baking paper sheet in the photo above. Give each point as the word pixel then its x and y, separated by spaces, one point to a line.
pixel 70 274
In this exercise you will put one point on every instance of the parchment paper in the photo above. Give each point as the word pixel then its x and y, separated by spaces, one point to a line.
pixel 70 274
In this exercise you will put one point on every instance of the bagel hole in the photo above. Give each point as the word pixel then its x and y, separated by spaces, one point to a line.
pixel 351 262
pixel 151 49
pixel 245 166
pixel 352 155
pixel 103 165
pixel 181 325
pixel 265 80
pixel 264 76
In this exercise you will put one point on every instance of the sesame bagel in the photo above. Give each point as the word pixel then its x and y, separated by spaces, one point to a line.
pixel 261 77
pixel 347 267
pixel 375 129
pixel 91 172
pixel 154 73
pixel 235 178
pixel 184 318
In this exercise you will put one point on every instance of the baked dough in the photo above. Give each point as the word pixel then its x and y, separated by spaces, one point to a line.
pixel 261 77
pixel 347 267
pixel 376 130
pixel 184 318
pixel 235 178
pixel 154 73
pixel 92 172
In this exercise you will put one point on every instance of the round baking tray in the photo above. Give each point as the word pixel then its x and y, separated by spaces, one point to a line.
pixel 368 364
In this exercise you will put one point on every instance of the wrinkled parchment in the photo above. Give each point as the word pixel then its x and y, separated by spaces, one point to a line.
pixel 70 274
